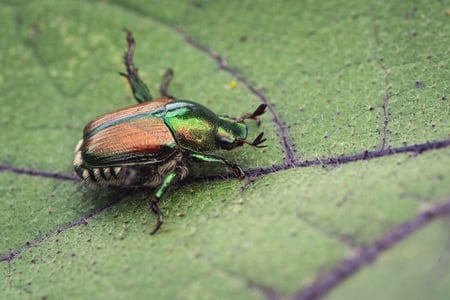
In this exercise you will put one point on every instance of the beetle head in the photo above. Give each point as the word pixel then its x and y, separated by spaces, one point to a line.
pixel 232 133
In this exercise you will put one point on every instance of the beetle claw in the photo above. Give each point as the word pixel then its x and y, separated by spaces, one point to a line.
pixel 155 209
pixel 237 170
pixel 157 226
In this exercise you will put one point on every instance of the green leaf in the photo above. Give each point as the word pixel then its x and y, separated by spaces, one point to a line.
pixel 358 135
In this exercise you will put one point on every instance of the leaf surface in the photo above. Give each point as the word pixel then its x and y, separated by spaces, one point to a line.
pixel 357 130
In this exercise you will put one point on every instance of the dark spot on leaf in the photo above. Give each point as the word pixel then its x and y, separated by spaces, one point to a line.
pixel 410 14
pixel 198 4
pixel 419 84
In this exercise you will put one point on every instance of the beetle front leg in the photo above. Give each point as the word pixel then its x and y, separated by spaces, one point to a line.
pixel 140 90
pixel 153 203
pixel 237 170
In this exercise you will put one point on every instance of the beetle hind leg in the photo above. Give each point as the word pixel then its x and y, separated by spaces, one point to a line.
pixel 140 90
pixel 167 78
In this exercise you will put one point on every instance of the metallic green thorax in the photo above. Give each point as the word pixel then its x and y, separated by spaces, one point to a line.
pixel 197 128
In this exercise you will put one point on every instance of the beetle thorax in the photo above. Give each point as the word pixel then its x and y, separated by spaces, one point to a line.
pixel 193 125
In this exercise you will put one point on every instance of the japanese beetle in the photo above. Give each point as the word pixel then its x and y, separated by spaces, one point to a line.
pixel 150 143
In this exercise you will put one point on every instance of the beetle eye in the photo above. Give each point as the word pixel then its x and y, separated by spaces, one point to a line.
pixel 226 144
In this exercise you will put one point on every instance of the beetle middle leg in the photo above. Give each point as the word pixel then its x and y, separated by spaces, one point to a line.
pixel 153 202
pixel 237 170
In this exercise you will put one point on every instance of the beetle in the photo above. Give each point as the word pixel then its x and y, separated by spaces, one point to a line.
pixel 151 143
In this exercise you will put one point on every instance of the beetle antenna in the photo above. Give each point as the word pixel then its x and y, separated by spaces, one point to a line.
pixel 257 142
pixel 260 110
pixel 254 115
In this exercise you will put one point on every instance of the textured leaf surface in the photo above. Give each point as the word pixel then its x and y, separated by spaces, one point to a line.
pixel 357 162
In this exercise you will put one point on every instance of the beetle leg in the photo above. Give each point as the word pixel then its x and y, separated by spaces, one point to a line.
pixel 155 209
pixel 140 91
pixel 165 84
pixel 153 203
pixel 237 170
